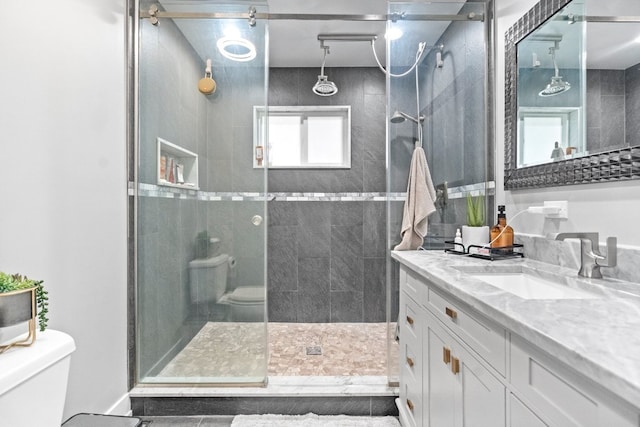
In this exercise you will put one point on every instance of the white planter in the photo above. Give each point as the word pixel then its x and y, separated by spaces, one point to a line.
pixel 474 236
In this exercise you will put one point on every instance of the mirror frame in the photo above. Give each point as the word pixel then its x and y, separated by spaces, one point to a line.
pixel 590 168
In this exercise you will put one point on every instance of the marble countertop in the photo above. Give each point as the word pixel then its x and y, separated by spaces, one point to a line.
pixel 599 337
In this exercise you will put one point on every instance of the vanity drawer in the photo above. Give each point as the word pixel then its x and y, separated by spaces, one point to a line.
pixel 410 405
pixel 411 324
pixel 484 336
pixel 412 285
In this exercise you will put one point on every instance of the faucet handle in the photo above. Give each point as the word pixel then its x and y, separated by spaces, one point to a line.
pixel 611 258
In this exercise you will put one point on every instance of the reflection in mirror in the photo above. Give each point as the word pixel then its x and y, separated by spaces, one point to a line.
pixel 551 91
pixel 572 87
pixel 316 137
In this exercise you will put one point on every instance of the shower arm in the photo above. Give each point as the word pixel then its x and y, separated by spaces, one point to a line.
pixel 324 58
pixel 552 51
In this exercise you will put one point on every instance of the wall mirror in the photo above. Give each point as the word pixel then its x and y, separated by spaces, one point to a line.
pixel 294 137
pixel 572 92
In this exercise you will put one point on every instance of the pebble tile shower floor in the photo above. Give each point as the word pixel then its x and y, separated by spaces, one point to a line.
pixel 296 349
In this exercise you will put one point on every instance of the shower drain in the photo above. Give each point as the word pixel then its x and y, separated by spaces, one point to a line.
pixel 314 350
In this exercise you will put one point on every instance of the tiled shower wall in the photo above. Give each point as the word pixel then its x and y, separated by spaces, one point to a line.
pixel 613 100
pixel 326 258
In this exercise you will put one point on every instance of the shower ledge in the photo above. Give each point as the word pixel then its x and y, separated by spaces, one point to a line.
pixel 312 386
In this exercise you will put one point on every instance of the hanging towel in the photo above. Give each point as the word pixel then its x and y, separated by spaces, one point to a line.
pixel 420 203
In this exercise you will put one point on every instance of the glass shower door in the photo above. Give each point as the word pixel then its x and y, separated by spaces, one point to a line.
pixel 200 201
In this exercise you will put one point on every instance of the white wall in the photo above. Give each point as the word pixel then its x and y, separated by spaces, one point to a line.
pixel 608 208
pixel 63 179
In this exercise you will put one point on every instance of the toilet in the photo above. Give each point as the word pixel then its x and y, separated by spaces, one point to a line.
pixel 33 381
pixel 208 284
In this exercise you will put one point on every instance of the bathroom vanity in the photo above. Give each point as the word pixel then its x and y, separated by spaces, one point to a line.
pixel 515 343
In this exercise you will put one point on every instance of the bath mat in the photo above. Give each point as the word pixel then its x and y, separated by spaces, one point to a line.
pixel 312 420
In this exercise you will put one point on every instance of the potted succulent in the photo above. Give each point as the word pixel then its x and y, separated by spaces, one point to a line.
pixel 475 232
pixel 22 299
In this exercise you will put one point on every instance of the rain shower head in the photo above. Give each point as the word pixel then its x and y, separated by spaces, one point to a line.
pixel 399 117
pixel 557 85
pixel 324 87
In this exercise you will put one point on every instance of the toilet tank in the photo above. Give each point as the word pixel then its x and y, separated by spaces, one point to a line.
pixel 208 278
pixel 33 381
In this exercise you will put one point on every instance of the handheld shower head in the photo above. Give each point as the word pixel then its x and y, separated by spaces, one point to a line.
pixel 399 117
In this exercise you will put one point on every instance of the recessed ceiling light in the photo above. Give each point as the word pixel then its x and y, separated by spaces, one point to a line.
pixel 236 48
pixel 393 33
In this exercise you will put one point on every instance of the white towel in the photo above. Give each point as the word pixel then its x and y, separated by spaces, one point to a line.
pixel 420 203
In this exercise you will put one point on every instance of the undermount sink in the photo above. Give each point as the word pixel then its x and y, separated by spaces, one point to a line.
pixel 528 286
pixel 531 283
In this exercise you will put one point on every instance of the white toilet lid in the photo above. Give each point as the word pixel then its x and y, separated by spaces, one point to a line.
pixel 247 294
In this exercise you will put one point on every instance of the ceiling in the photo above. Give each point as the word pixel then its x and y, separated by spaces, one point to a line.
pixel 294 43
pixel 610 45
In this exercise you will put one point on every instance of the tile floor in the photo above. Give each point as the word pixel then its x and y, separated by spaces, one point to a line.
pixel 296 349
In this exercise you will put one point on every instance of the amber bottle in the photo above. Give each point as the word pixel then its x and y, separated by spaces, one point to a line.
pixel 506 238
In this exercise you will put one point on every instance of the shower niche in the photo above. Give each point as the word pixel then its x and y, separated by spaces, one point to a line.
pixel 177 166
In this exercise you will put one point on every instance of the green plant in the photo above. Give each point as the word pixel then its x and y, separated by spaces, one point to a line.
pixel 475 211
pixel 17 282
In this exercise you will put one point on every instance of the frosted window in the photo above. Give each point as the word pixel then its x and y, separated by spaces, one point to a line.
pixel 303 137
pixel 325 140
pixel 544 131
pixel 284 140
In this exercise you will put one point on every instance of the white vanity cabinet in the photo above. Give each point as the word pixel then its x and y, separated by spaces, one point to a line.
pixel 441 382
pixel 460 368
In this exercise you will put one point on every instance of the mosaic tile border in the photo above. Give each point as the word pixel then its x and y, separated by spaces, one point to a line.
pixel 158 191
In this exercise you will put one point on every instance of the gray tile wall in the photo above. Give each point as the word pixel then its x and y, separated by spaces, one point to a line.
pixel 632 104
pixel 605 110
pixel 326 259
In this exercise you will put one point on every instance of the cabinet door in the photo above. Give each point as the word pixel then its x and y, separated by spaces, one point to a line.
pixel 440 385
pixel 482 396
pixel 521 416
pixel 459 390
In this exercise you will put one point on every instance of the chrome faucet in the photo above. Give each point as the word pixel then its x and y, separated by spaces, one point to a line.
pixel 590 257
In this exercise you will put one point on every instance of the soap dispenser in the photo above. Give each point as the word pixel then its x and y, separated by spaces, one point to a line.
pixel 458 246
pixel 501 233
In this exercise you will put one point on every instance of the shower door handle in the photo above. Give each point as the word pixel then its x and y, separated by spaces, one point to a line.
pixel 256 220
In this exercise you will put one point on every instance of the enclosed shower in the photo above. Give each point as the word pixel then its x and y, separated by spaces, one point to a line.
pixel 244 270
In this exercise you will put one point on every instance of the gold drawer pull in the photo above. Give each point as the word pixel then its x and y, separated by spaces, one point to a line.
pixel 410 362
pixel 455 365
pixel 451 313
pixel 410 404
pixel 410 320
pixel 446 355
